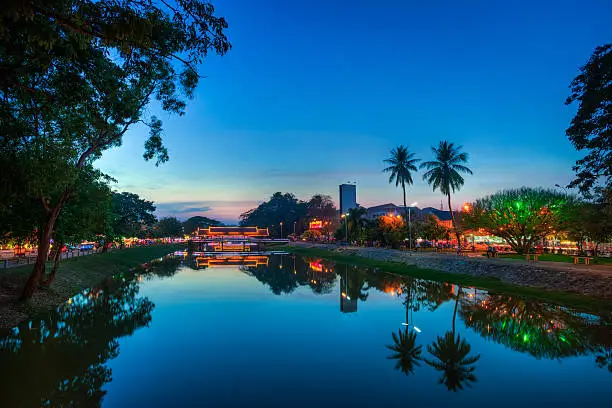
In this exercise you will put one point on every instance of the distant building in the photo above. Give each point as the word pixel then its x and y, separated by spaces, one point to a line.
pixel 444 217
pixel 348 197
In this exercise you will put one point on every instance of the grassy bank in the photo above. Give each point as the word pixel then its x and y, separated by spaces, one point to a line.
pixel 563 258
pixel 577 301
pixel 74 275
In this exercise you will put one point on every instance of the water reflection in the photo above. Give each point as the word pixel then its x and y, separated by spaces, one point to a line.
pixel 61 360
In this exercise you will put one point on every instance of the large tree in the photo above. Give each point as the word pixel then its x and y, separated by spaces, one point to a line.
pixel 401 165
pixel 191 224
pixel 78 74
pixel 520 216
pixel 131 214
pixel 591 128
pixel 280 208
pixel 443 173
pixel 169 227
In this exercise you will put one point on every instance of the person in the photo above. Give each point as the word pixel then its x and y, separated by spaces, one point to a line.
pixel 458 249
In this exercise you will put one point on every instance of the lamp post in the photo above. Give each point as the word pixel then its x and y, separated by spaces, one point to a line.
pixel 345 216
pixel 410 228
pixel 281 227
pixel 294 222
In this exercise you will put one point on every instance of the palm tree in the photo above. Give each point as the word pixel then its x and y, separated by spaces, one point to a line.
pixel 443 172
pixel 452 352
pixel 408 355
pixel 401 164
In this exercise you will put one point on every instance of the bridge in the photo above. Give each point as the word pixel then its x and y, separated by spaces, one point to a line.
pixel 231 239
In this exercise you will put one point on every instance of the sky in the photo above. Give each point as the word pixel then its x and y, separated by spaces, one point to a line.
pixel 316 93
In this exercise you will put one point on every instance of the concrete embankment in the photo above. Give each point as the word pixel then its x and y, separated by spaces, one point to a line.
pixel 591 280
pixel 74 275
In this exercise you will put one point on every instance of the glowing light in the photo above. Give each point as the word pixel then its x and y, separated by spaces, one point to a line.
pixel 315 225
pixel 416 329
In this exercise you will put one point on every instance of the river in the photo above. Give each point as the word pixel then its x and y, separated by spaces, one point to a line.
pixel 290 331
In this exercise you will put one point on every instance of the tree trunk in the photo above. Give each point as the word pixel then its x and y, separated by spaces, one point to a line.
pixel 57 248
pixel 453 220
pixel 43 250
pixel 405 208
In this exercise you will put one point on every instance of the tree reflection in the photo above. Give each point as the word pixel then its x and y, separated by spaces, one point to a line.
pixel 452 354
pixel 405 351
pixel 60 361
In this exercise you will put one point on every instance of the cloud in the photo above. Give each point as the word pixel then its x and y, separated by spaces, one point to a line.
pixel 225 211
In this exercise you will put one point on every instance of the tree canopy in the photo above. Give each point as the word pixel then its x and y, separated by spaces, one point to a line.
pixel 132 214
pixel 520 216
pixel 190 225
pixel 169 227
pixel 591 128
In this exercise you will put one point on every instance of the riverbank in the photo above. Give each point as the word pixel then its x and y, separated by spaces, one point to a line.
pixel 74 275
pixel 579 285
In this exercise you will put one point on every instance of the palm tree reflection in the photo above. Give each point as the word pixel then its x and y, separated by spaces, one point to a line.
pixel 405 351
pixel 452 355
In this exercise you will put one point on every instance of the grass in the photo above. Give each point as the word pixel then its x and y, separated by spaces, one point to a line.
pixel 562 258
pixel 73 276
pixel 578 301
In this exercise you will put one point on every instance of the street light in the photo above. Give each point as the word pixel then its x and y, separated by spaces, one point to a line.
pixel 281 225
pixel 410 228
pixel 345 216
pixel 294 222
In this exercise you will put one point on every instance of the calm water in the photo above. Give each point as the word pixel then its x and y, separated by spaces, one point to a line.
pixel 302 332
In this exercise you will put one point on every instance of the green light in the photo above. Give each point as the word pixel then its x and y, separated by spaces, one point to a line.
pixel 525 338
pixel 504 325
pixel 563 338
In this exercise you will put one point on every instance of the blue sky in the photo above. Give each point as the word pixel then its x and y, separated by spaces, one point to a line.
pixel 316 93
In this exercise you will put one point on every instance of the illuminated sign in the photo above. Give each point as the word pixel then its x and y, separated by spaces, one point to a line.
pixel 316 224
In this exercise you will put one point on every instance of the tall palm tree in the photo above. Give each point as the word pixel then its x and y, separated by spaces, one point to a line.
pixel 401 164
pixel 453 360
pixel 443 172
pixel 407 354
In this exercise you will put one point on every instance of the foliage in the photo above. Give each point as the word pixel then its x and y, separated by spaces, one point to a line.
pixel 443 172
pixel 589 220
pixel 191 224
pixel 168 227
pixel 321 207
pixel 430 229
pixel 285 208
pixel 520 216
pixel 77 74
pixel 390 230
pixel 591 128
pixel 132 214
pixel 405 351
pixel 401 165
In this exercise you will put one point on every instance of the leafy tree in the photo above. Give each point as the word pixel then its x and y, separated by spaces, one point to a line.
pixel 311 235
pixel 520 216
pixel 589 220
pixel 131 214
pixel 401 165
pixel 430 229
pixel 443 172
pixel 285 208
pixel 322 207
pixel 591 128
pixel 169 227
pixel 85 215
pixel 78 74
pixel 193 223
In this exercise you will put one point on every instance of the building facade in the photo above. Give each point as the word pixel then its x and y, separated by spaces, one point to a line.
pixel 348 197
